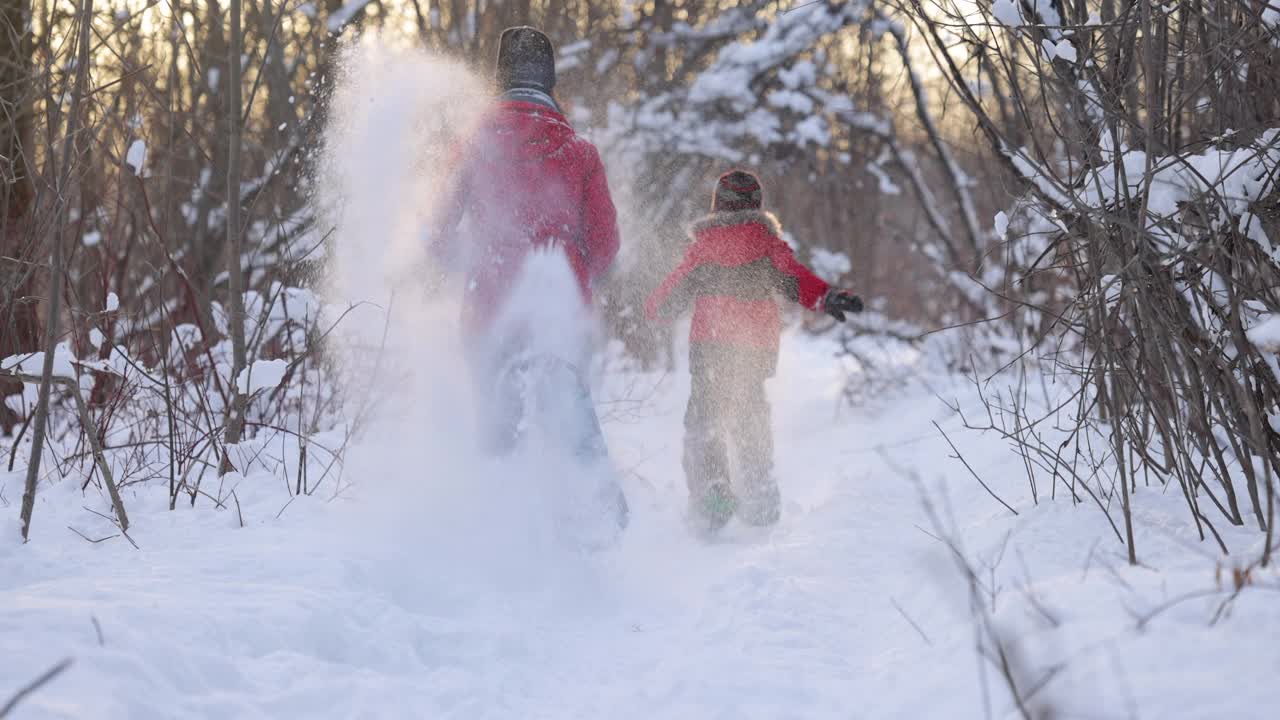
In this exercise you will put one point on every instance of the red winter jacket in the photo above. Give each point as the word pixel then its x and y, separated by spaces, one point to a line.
pixel 525 180
pixel 730 273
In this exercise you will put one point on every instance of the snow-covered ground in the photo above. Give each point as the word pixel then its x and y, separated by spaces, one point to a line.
pixel 429 590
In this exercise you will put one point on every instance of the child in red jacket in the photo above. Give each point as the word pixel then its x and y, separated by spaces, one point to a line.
pixel 731 273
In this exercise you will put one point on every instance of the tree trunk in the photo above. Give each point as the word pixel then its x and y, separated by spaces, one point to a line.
pixel 19 326
pixel 51 332
pixel 235 273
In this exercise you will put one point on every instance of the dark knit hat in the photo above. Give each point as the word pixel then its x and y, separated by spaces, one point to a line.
pixel 736 190
pixel 526 59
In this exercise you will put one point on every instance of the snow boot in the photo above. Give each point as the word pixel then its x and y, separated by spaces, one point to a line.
pixel 712 509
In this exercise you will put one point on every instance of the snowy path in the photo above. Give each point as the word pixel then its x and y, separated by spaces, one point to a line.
pixel 324 613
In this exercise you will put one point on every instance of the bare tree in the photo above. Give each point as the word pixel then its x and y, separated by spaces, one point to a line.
pixel 19 325
pixel 235 268
pixel 56 269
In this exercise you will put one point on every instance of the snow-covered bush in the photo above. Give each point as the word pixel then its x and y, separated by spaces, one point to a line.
pixel 1140 255
pixel 158 410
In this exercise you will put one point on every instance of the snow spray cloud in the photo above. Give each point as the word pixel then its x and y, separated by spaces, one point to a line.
pixel 393 115
pixel 396 116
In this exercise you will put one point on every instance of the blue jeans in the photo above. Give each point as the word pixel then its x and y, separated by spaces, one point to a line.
pixel 545 390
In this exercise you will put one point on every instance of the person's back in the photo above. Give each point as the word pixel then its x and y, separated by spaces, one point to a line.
pixel 528 181
pixel 525 182
pixel 732 271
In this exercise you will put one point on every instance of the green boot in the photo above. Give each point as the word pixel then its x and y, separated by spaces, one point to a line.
pixel 713 509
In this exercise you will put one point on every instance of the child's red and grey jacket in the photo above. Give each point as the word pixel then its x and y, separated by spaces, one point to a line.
pixel 730 274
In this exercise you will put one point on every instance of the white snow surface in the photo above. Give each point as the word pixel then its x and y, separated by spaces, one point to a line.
pixel 33 363
pixel 1001 224
pixel 427 587
pixel 261 375
pixel 1065 50
pixel 1061 49
pixel 1006 13
pixel 136 158
pixel 1266 334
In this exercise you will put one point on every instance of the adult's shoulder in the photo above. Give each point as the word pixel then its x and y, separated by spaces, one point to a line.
pixel 585 148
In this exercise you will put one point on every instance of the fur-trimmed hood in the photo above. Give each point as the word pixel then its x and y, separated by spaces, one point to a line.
pixel 737 217
pixel 733 238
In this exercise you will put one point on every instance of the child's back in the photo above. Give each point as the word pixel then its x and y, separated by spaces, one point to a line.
pixel 732 273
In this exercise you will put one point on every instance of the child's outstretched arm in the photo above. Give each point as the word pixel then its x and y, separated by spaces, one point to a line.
pixel 799 284
pixel 673 296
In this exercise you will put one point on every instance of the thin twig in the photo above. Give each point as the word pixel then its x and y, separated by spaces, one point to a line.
pixel 35 685
pixel 239 516
pixel 97 629
pixel 91 540
pixel 913 624
pixel 960 457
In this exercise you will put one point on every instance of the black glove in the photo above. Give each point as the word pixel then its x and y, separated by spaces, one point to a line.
pixel 839 302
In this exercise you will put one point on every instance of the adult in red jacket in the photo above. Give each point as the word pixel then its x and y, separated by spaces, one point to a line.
pixel 526 182
pixel 731 274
